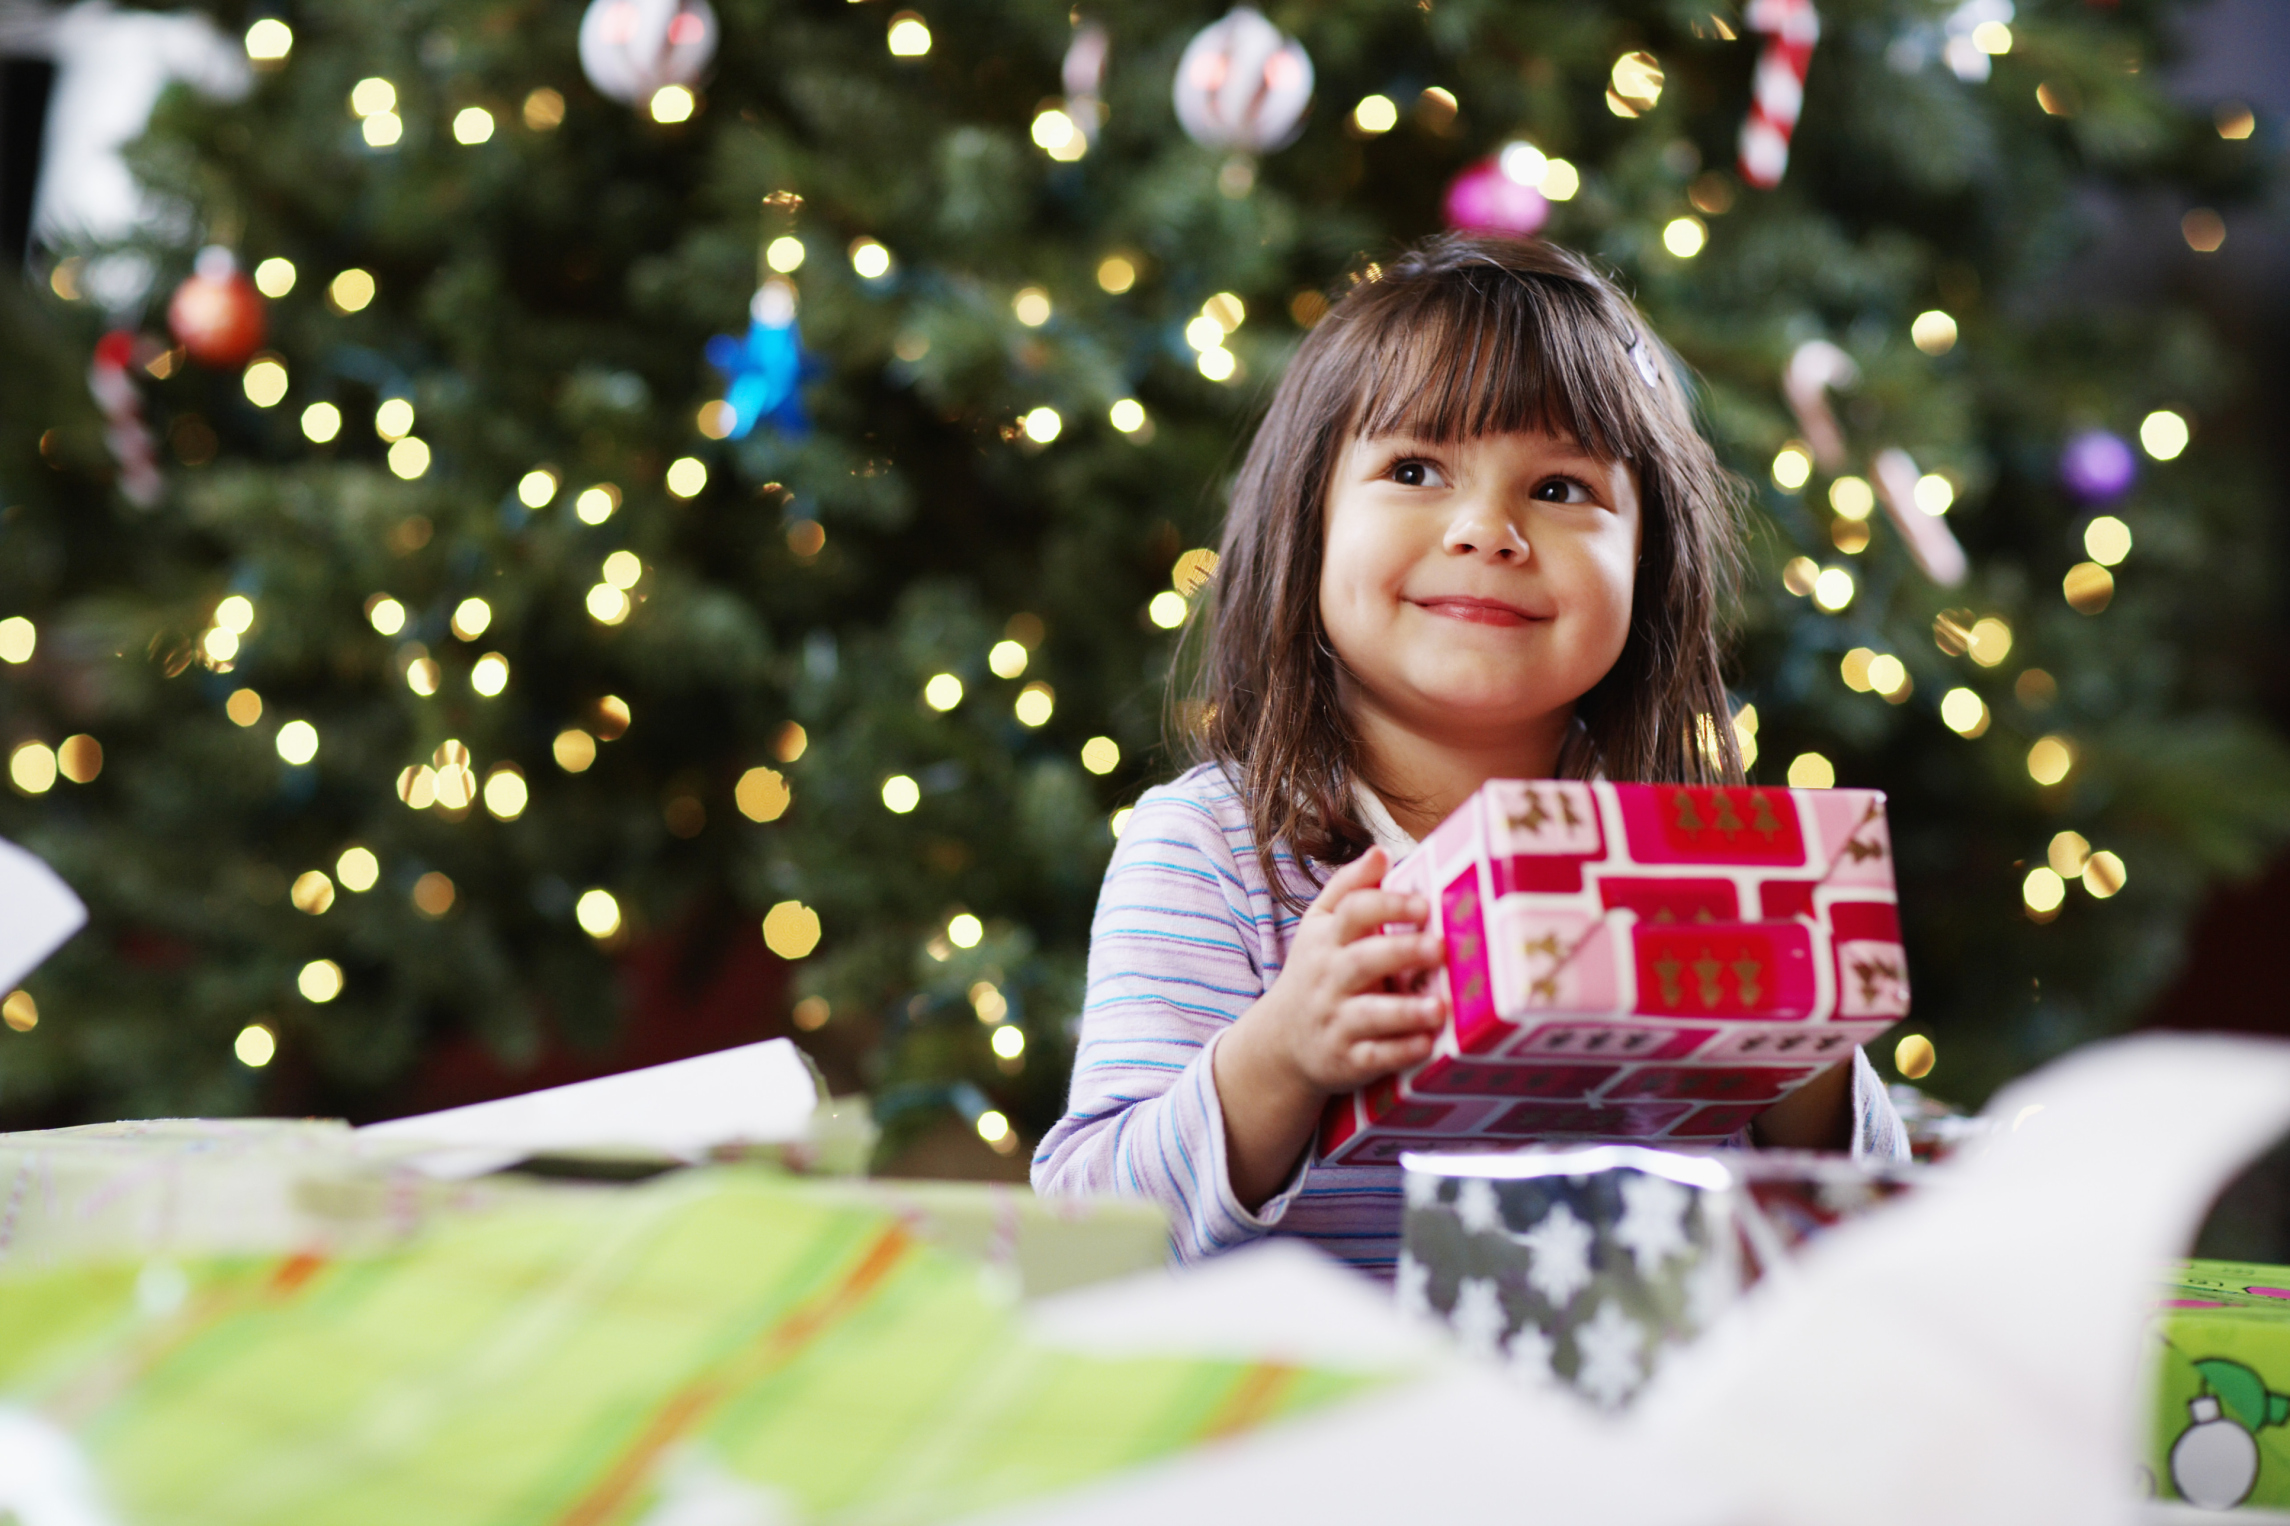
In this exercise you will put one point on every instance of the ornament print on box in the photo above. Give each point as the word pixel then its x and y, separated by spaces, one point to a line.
pixel 1242 85
pixel 216 315
pixel 764 372
pixel 2214 1463
pixel 631 48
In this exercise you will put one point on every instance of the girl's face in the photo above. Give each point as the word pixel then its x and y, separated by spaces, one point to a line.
pixel 1477 588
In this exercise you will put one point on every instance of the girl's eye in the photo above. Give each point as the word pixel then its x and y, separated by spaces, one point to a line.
pixel 1563 490
pixel 1417 474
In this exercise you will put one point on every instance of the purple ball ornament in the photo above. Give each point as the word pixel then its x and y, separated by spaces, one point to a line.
pixel 2096 466
pixel 1496 196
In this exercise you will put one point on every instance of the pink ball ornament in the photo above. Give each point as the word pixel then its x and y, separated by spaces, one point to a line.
pixel 1242 85
pixel 629 49
pixel 1485 200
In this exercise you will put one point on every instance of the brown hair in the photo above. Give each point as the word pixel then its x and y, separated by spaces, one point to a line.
pixel 1463 336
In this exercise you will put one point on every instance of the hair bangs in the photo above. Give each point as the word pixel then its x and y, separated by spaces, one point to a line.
pixel 1497 352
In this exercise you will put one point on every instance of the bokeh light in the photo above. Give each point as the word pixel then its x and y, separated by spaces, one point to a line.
pixel 358 869
pixel 574 750
pixel 762 794
pixel 1964 712
pixel 32 768
pixel 319 981
pixel 297 742
pixel 19 638
pixel 2107 540
pixel 598 913
pixel 1792 468
pixel 1375 114
pixel 1810 770
pixel 1933 332
pixel 2050 760
pixel 791 929
pixel 2164 434
pixel 505 792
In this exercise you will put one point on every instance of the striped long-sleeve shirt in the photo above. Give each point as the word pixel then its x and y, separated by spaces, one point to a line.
pixel 1187 937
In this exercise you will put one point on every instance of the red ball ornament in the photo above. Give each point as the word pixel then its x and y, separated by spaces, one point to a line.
pixel 216 315
pixel 1484 199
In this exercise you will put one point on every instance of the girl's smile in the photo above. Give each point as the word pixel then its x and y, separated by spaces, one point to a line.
pixel 1475 610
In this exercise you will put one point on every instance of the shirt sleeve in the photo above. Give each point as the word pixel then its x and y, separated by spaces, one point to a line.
pixel 1878 1134
pixel 1178 950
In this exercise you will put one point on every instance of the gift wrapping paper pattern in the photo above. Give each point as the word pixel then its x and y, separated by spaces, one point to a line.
pixel 1582 1280
pixel 1636 961
pixel 712 1346
pixel 2219 1417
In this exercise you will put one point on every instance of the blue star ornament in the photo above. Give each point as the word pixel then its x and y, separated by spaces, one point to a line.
pixel 765 371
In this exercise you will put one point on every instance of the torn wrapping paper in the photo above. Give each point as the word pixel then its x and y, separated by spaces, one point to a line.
pixel 37 913
pixel 1626 961
pixel 1970 1353
pixel 213 1186
pixel 756 1094
pixel 176 1187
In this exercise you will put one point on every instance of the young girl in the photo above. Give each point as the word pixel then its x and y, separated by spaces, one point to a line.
pixel 1476 537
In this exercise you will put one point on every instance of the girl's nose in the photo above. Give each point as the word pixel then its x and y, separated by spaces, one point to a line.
pixel 1482 530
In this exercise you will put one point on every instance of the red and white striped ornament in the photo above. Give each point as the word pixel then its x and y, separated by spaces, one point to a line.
pixel 124 431
pixel 1790 28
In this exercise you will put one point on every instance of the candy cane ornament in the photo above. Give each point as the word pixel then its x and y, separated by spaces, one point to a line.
pixel 1790 27
pixel 1929 540
pixel 1815 369
pixel 123 428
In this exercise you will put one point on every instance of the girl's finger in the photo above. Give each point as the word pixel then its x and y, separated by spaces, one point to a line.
pixel 1384 1017
pixel 1366 911
pixel 1368 869
pixel 1372 1059
pixel 1360 964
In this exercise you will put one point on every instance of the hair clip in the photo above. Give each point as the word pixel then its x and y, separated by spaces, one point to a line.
pixel 1642 356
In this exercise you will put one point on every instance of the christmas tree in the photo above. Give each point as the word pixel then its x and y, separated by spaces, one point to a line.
pixel 487 628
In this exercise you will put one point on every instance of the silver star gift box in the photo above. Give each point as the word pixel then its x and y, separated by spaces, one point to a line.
pixel 1584 1266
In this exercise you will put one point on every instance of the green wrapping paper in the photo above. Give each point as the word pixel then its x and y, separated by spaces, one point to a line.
pixel 578 1355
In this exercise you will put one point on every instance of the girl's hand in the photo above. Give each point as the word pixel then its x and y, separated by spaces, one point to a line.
pixel 1334 1020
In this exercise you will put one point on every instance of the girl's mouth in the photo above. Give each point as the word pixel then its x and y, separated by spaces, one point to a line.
pixel 1477 611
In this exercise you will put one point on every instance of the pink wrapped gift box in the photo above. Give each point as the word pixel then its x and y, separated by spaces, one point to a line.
pixel 1638 961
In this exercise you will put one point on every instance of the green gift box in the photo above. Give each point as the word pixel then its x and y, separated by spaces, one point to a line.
pixel 2221 1403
